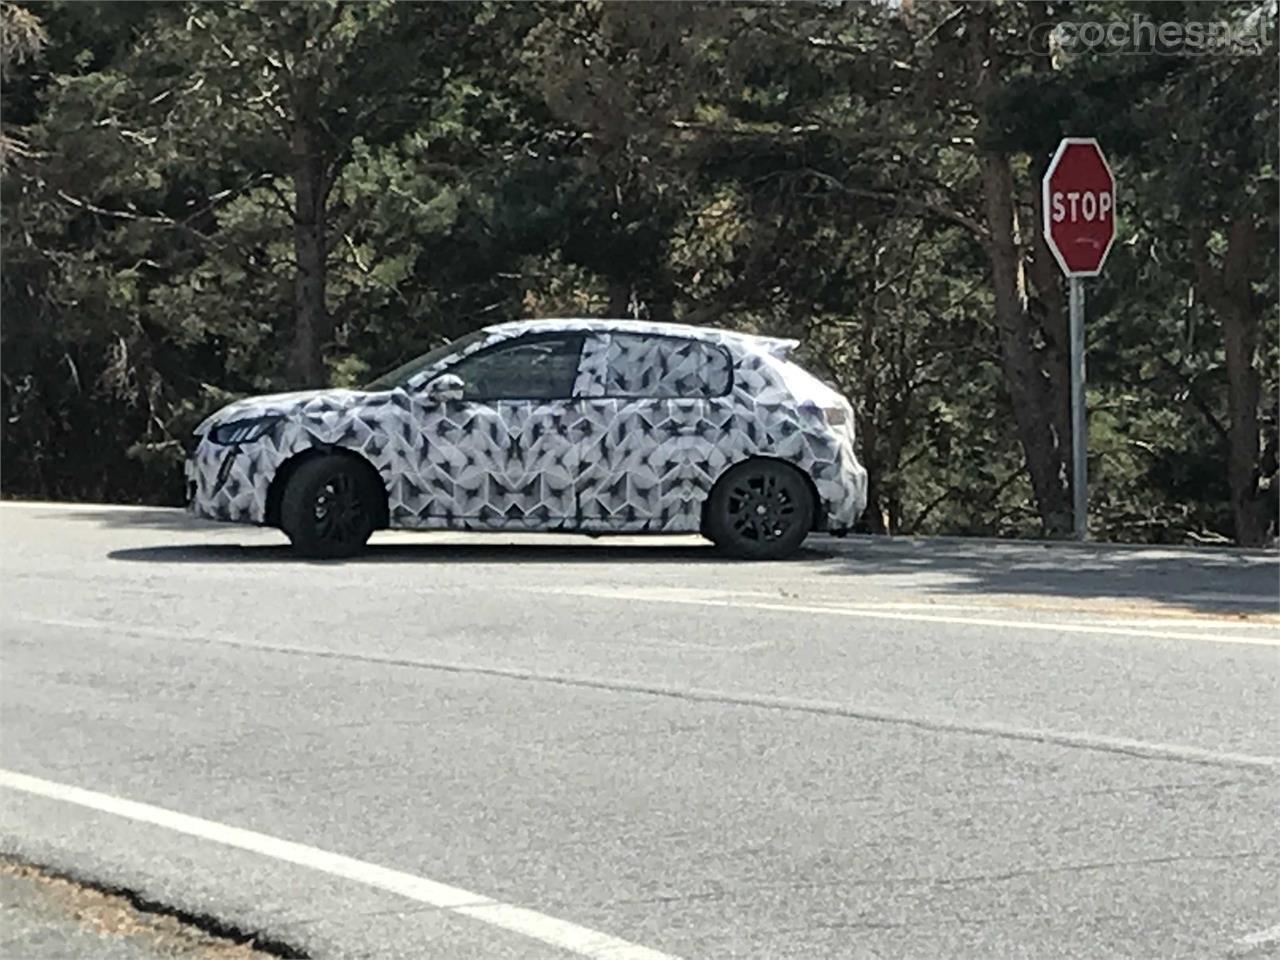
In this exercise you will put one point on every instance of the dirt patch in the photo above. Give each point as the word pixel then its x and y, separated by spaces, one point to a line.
pixel 57 899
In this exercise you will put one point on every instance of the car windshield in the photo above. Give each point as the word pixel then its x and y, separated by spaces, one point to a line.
pixel 402 374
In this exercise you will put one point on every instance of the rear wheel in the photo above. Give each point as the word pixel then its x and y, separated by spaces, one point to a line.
pixel 760 510
pixel 329 508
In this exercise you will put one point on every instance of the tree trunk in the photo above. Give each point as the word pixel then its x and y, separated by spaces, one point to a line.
pixel 868 437
pixel 313 327
pixel 1028 385
pixel 662 292
pixel 1055 324
pixel 1046 277
pixel 1031 387
pixel 1228 293
pixel 619 299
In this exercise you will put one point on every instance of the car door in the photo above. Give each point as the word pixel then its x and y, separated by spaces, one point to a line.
pixel 647 442
pixel 503 455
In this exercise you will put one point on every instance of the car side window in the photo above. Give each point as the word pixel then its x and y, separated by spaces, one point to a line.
pixel 530 368
pixel 665 367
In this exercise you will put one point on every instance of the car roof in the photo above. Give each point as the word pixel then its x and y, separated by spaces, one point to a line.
pixel 647 327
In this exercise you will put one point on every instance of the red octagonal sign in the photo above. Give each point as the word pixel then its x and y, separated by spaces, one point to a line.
pixel 1079 199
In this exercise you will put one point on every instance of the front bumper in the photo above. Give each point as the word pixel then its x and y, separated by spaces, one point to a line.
pixel 229 483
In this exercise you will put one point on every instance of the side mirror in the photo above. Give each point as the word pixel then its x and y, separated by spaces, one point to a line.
pixel 443 388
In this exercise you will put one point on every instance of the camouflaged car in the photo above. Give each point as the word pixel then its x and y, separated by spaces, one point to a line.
pixel 594 426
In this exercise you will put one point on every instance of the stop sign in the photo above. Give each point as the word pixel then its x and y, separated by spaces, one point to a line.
pixel 1079 200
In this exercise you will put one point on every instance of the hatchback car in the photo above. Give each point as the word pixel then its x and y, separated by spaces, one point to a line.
pixel 593 426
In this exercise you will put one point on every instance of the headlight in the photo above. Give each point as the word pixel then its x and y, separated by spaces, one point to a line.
pixel 242 431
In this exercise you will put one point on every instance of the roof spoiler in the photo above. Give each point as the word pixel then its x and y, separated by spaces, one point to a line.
pixel 776 346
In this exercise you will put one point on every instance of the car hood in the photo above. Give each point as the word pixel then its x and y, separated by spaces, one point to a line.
pixel 298 403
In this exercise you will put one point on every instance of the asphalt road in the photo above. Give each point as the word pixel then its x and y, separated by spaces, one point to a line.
pixel 465 747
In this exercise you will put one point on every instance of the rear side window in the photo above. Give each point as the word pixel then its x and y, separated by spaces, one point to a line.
pixel 665 367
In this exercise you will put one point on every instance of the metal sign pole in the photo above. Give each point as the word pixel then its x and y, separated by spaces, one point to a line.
pixel 1079 440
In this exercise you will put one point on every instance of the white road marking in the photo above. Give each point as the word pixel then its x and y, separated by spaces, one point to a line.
pixel 1261 598
pixel 578 940
pixel 68 506
pixel 1253 942
pixel 691 645
pixel 1262 938
pixel 1151 750
pixel 1029 602
pixel 1204 623
pixel 719 599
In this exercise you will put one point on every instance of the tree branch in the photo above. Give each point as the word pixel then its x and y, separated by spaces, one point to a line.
pixel 184 224
pixel 978 231
pixel 1194 396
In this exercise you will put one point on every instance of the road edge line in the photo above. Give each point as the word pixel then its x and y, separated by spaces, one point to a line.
pixel 582 941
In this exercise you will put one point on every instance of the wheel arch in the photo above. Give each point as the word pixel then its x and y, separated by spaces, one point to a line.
pixel 286 470
pixel 819 505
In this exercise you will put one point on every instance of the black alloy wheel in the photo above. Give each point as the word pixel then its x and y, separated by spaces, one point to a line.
pixel 760 510
pixel 328 509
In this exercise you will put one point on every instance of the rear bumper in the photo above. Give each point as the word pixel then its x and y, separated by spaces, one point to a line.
pixel 843 493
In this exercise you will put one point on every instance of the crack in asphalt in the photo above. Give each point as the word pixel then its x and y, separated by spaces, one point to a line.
pixel 1098 865
pixel 1177 753
pixel 927 882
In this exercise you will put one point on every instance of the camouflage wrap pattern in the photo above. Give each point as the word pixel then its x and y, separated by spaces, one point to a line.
pixel 613 458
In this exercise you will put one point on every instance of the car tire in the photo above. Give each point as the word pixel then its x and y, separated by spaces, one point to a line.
pixel 760 510
pixel 329 507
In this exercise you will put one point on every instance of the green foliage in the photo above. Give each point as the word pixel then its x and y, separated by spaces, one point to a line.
pixel 812 170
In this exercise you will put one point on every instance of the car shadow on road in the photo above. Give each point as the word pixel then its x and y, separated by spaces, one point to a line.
pixel 157 518
pixel 427 553
pixel 1173 579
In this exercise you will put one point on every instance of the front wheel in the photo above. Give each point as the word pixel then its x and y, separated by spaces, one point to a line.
pixel 328 508
pixel 760 510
